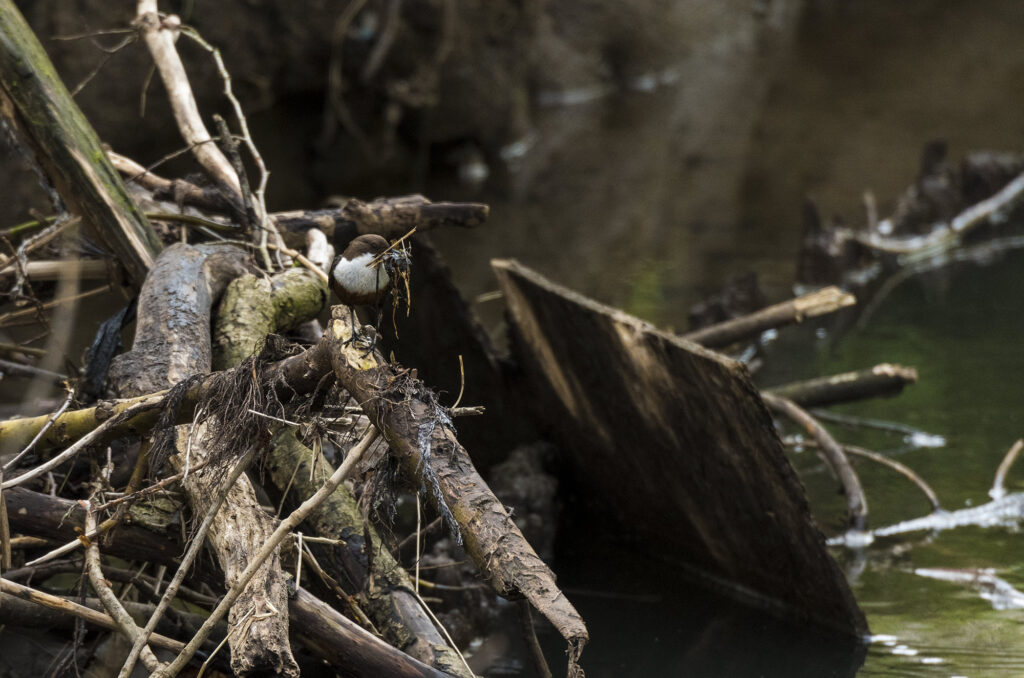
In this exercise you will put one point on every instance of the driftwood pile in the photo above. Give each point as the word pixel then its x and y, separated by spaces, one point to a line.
pixel 214 415
pixel 179 430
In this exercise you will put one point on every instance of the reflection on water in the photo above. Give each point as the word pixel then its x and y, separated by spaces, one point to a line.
pixel 647 200
pixel 646 620
pixel 609 199
pixel 959 325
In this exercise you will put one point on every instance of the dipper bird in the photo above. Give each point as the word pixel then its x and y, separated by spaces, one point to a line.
pixel 358 280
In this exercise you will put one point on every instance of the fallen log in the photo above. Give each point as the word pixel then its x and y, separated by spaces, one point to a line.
pixel 251 309
pixel 821 302
pixel 880 380
pixel 422 438
pixel 361 654
pixel 656 425
pixel 388 217
pixel 37 106
pixel 172 343
pixel 62 520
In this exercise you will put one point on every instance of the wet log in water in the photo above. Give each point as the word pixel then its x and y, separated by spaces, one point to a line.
pixel 880 380
pixel 676 441
pixel 811 305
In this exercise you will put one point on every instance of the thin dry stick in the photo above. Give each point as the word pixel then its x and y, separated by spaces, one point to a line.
pixel 18 348
pixel 54 269
pixel 107 597
pixel 284 249
pixel 186 561
pixel 266 225
pixel 903 469
pixel 149 403
pixel 419 525
pixel 243 625
pixel 42 431
pixel 380 257
pixel 155 487
pixel 79 611
pixel 103 527
pixel 12 369
pixel 998 491
pixel 18 543
pixel 431 526
pixel 252 220
pixel 448 637
pixel 342 595
pixel 462 383
pixel 159 36
pixel 530 636
pixel 55 302
pixel 5 532
pixel 856 502
pixel 282 531
pixel 38 240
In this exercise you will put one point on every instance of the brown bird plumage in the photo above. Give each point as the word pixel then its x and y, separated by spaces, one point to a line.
pixel 353 280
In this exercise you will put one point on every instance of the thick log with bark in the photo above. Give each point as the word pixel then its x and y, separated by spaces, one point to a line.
pixel 34 101
pixel 659 426
pixel 173 307
pixel 251 309
pixel 388 217
pixel 880 380
pixel 63 521
pixel 422 437
pixel 172 342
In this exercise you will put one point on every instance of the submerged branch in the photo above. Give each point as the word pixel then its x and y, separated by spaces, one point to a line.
pixel 857 503
pixel 880 380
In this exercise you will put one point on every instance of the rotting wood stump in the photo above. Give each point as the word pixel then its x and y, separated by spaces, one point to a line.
pixel 675 439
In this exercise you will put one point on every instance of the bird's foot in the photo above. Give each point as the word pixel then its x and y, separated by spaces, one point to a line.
pixel 364 336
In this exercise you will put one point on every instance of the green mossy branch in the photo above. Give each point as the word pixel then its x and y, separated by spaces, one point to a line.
pixel 39 109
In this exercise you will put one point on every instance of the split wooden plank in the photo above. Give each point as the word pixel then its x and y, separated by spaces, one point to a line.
pixel 676 441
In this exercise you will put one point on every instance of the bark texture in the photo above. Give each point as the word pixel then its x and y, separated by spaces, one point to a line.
pixel 251 309
pixel 172 342
pixel 34 101
pixel 341 643
pixel 172 337
pixel 422 437
pixel 439 329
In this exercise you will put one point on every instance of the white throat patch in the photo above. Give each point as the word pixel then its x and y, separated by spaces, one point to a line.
pixel 358 278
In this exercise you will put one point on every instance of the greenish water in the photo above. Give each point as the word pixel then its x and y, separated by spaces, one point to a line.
pixel 603 206
pixel 960 327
